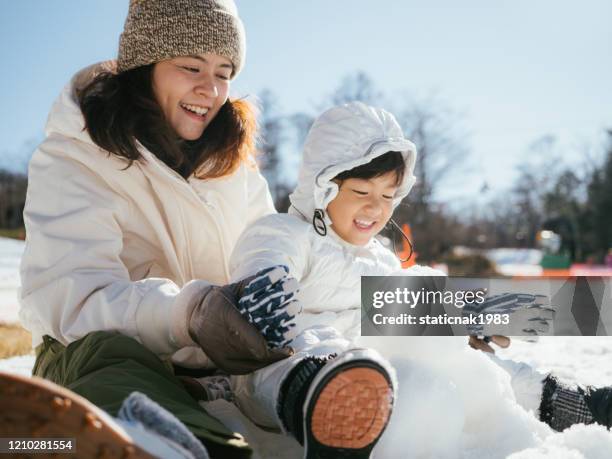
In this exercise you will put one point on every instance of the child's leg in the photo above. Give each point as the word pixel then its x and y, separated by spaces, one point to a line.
pixel 558 404
pixel 330 395
pixel 564 405
pixel 256 394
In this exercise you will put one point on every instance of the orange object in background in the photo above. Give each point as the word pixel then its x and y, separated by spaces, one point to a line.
pixel 403 254
pixel 555 273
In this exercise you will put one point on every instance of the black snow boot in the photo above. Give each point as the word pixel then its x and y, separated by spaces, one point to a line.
pixel 337 407
pixel 563 406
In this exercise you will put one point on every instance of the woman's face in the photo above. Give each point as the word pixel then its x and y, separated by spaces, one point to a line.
pixel 190 91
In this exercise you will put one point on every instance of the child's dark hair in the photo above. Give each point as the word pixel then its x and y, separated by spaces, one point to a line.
pixel 392 161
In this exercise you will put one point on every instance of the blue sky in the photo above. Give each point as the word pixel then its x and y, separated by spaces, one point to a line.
pixel 513 71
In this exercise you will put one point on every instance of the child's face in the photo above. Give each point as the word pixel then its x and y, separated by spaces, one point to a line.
pixel 362 207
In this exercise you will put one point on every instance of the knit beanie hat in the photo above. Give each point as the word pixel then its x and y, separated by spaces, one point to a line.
pixel 156 30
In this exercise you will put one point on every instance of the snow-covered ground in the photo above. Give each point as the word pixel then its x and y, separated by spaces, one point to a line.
pixel 453 402
pixel 10 254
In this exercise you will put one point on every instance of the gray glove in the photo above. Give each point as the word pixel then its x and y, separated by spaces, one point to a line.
pixel 230 341
pixel 528 315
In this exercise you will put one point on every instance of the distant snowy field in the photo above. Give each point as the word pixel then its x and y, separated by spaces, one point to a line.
pixel 10 254
pixel 453 402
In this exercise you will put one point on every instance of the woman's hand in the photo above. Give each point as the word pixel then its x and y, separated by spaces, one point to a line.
pixel 227 338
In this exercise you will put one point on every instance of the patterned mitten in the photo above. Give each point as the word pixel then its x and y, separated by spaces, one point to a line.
pixel 268 302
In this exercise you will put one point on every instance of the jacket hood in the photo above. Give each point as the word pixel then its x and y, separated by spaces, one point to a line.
pixel 340 139
pixel 65 117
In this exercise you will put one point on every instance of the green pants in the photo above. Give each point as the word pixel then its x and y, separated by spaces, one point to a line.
pixel 105 367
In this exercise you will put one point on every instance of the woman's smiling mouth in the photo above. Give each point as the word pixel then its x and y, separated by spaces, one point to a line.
pixel 195 110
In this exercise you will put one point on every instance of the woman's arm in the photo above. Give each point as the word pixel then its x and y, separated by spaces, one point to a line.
pixel 73 279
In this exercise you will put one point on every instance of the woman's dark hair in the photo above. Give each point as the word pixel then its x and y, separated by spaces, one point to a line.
pixel 120 109
pixel 392 161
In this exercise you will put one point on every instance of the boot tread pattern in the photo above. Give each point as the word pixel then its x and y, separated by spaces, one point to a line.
pixel 353 408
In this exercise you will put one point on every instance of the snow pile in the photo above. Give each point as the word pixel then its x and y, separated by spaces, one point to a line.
pixel 456 403
pixel 21 365
pixel 580 359
pixel 577 442
pixel 267 445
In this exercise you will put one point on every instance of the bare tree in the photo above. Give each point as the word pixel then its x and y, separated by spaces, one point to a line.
pixel 14 183
pixel 537 176
pixel 598 212
pixel 528 206
pixel 435 130
pixel 442 155
pixel 301 123
pixel 13 186
pixel 270 145
pixel 356 87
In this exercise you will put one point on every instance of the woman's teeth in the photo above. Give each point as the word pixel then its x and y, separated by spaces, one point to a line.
pixel 195 109
pixel 364 224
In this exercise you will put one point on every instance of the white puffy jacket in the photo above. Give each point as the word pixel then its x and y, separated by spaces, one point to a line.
pixel 110 248
pixel 328 269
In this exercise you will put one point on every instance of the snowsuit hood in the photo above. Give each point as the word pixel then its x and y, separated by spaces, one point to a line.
pixel 340 139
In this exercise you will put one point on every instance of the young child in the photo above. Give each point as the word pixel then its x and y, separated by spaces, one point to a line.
pixel 330 395
pixel 356 168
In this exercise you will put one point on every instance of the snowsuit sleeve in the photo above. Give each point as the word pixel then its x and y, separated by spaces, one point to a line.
pixel 273 240
pixel 73 279
pixel 527 383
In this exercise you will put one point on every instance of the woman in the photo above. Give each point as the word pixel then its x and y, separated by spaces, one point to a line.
pixel 136 198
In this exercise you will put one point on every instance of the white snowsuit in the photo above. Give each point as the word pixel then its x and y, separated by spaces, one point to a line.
pixel 327 268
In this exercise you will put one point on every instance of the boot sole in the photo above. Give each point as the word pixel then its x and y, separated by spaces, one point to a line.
pixel 351 409
pixel 37 408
